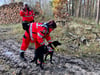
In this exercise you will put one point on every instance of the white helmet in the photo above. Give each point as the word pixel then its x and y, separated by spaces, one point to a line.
pixel 25 3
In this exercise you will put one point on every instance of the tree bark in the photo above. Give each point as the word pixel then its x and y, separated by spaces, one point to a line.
pixel 84 9
pixel 98 11
pixel 73 7
pixel 93 9
pixel 78 8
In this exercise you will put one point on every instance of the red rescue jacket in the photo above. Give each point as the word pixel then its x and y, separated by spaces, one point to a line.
pixel 27 15
pixel 39 31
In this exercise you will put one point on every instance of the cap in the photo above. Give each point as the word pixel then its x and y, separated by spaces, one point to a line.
pixel 52 24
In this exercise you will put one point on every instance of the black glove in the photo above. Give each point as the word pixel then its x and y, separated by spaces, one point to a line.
pixel 25 26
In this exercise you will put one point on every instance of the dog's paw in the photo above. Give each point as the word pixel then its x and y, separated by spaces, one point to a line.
pixel 41 67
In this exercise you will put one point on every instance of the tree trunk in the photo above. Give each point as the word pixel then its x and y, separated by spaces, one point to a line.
pixel 73 9
pixel 84 9
pixel 87 8
pixel 78 8
pixel 93 9
pixel 98 10
pixel 66 5
pixel 90 7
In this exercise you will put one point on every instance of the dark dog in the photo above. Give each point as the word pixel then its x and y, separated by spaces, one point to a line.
pixel 50 50
pixel 39 53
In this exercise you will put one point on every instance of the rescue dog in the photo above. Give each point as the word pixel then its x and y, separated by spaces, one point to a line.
pixel 39 55
pixel 50 50
pixel 43 50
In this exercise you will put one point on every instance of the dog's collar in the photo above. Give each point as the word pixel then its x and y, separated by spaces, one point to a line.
pixel 54 47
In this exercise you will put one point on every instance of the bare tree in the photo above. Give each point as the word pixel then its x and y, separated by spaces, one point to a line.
pixel 84 8
pixel 78 8
pixel 73 7
pixel 98 11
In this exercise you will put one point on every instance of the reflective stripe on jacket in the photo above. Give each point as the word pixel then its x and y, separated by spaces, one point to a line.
pixel 39 32
pixel 27 15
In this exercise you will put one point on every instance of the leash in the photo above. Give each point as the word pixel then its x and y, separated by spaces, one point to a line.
pixel 54 47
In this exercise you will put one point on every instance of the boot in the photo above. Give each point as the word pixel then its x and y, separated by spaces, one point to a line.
pixel 22 56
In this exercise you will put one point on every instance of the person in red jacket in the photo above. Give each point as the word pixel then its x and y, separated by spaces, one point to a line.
pixel 27 16
pixel 37 33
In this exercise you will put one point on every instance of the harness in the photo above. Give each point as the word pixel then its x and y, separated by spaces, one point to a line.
pixel 43 25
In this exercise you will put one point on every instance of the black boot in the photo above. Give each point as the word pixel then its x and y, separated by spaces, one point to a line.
pixel 22 56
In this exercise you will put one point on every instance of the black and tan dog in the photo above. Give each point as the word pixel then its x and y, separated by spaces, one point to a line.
pixel 41 51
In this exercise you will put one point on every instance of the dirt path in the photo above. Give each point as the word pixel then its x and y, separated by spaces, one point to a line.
pixel 10 63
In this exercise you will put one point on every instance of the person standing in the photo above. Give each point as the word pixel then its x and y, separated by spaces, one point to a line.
pixel 27 15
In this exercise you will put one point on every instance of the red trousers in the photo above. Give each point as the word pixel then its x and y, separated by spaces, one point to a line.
pixel 26 41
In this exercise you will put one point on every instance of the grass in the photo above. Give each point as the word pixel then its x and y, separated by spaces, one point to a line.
pixel 15 32
pixel 84 21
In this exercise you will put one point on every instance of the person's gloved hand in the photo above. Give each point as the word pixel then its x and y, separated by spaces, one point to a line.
pixel 25 26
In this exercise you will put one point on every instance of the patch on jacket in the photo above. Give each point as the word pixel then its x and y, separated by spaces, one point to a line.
pixel 43 32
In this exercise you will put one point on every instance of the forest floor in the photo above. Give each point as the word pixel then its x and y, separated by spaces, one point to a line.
pixel 69 60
